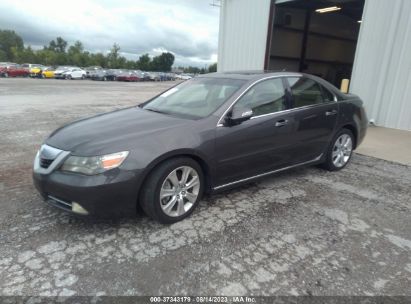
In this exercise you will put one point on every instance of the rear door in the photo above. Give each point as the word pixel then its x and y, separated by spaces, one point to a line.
pixel 262 143
pixel 315 113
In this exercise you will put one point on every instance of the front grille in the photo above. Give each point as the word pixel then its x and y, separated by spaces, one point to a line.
pixel 45 163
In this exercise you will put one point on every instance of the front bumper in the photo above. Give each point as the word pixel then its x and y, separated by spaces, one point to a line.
pixel 110 194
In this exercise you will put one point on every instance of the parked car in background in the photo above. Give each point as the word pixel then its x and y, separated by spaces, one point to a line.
pixel 48 72
pixel 184 76
pixel 128 76
pixel 14 70
pixel 146 76
pixel 207 134
pixel 3 67
pixel 99 74
pixel 170 76
pixel 58 73
pixel 91 70
pixel 152 76
pixel 140 74
pixel 112 74
pixel 74 73
pixel 36 71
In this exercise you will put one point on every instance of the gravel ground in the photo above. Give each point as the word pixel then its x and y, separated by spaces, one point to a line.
pixel 303 232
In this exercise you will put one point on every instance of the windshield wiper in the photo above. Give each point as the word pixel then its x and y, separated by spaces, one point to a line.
pixel 155 110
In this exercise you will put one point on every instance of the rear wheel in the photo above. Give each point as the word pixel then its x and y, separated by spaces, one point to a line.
pixel 173 190
pixel 340 151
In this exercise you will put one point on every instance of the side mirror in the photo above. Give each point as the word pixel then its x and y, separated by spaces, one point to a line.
pixel 238 115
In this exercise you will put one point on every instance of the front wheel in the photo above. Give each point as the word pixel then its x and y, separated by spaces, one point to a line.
pixel 173 190
pixel 340 151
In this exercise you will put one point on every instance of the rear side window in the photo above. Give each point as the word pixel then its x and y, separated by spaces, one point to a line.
pixel 305 92
pixel 265 97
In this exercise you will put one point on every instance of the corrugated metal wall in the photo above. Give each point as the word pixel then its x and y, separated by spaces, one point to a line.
pixel 382 67
pixel 243 34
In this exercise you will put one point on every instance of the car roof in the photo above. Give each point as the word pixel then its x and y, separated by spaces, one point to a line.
pixel 261 74
pixel 250 75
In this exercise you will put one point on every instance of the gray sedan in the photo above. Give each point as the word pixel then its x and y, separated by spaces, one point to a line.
pixel 207 134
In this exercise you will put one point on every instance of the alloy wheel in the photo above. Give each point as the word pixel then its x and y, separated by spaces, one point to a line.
pixel 342 150
pixel 179 191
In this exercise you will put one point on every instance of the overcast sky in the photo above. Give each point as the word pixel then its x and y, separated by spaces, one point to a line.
pixel 187 28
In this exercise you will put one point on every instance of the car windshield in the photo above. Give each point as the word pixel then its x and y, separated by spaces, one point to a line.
pixel 195 98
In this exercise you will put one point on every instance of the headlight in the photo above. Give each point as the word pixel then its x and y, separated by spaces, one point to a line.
pixel 95 164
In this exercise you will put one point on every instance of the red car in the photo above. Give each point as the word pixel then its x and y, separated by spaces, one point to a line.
pixel 3 67
pixel 14 70
pixel 128 76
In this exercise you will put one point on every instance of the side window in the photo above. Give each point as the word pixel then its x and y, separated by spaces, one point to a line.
pixel 328 96
pixel 265 97
pixel 305 92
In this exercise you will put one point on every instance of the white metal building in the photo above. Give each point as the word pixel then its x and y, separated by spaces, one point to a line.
pixel 366 41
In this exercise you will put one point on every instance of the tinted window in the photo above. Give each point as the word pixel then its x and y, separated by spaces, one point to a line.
pixel 328 96
pixel 265 97
pixel 305 92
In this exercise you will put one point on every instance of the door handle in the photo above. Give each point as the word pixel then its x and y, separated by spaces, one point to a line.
pixel 330 113
pixel 281 123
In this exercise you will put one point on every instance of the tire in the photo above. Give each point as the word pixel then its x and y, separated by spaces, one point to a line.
pixel 83 77
pixel 6 75
pixel 341 148
pixel 68 77
pixel 175 205
pixel 104 78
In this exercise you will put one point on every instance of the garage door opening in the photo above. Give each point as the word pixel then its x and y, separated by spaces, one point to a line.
pixel 315 36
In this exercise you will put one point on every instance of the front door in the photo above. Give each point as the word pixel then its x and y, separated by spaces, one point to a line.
pixel 260 144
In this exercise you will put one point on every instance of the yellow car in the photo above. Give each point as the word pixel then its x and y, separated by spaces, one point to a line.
pixel 48 73
pixel 36 71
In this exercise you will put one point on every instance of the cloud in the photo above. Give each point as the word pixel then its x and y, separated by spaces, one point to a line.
pixel 187 28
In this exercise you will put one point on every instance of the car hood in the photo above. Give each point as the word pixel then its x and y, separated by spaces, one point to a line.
pixel 121 130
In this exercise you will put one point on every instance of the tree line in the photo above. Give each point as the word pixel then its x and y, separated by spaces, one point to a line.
pixel 58 52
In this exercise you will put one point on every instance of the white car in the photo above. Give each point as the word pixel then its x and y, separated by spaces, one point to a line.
pixel 59 72
pixel 75 73
pixel 183 77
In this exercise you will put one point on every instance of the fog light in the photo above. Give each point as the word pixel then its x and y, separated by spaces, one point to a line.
pixel 76 207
